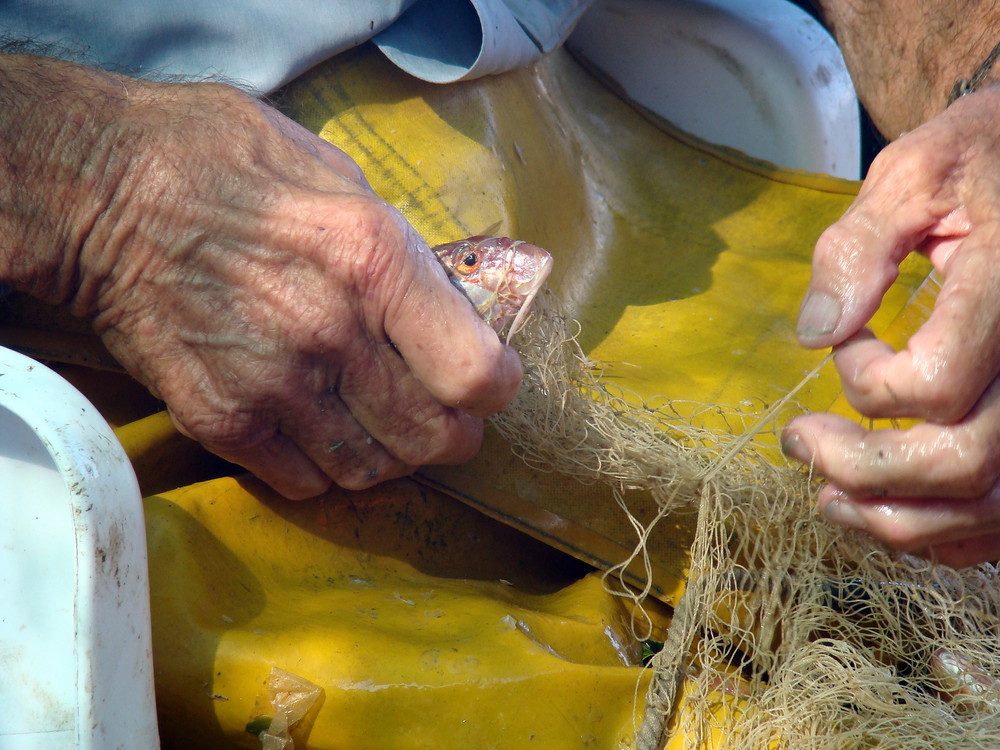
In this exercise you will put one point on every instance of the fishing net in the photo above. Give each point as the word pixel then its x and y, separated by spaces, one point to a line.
pixel 786 631
pixel 790 633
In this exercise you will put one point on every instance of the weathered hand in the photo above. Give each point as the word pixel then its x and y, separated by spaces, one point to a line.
pixel 245 271
pixel 933 488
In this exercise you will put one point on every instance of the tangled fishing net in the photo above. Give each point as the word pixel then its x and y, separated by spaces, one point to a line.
pixel 790 633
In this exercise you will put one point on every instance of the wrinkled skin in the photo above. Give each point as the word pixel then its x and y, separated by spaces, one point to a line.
pixel 243 269
pixel 933 489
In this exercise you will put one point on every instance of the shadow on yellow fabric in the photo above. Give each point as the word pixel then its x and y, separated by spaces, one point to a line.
pixel 683 262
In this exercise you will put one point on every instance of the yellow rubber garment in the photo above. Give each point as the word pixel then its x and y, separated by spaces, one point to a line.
pixel 424 622
pixel 330 590
pixel 684 262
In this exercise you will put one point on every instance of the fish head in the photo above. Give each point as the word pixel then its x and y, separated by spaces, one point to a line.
pixel 500 276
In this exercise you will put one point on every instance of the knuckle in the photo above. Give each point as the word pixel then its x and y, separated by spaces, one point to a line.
pixel 842 246
pixel 318 343
pixel 370 217
pixel 363 477
pixel 369 227
pixel 462 447
pixel 227 427
pixel 485 383
pixel 415 453
pixel 900 536
pixel 299 488
pixel 861 394
pixel 937 398
pixel 444 440
pixel 970 470
pixel 907 160
pixel 356 480
pixel 835 237
pixel 476 378
pixel 350 168
pixel 371 251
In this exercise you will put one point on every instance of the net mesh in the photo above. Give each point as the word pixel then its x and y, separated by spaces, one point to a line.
pixel 790 632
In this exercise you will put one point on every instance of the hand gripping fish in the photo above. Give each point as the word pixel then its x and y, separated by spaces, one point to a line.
pixel 500 276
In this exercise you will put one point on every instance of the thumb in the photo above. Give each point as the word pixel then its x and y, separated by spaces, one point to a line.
pixel 853 266
pixel 455 355
pixel 908 196
pixel 857 258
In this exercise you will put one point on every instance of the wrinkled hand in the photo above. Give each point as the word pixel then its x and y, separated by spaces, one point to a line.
pixel 933 489
pixel 293 322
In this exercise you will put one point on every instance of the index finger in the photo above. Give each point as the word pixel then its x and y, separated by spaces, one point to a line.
pixel 954 356
pixel 965 552
pixel 926 460
pixel 458 358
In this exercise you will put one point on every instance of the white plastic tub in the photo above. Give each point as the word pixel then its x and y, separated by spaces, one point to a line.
pixel 761 76
pixel 75 649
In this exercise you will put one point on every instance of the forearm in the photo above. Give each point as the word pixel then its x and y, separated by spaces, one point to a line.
pixel 904 57
pixel 61 161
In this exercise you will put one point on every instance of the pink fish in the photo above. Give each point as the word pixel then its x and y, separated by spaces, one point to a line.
pixel 500 276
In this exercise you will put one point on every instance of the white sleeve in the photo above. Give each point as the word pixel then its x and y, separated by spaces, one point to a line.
pixel 443 41
pixel 264 44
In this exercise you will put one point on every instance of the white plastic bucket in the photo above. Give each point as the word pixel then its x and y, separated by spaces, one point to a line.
pixel 761 76
pixel 75 647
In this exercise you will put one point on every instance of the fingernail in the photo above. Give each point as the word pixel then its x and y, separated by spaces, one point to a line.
pixel 818 316
pixel 794 448
pixel 844 513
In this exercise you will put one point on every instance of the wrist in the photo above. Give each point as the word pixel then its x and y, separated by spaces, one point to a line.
pixel 62 157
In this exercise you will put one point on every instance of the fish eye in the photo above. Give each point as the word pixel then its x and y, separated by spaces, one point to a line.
pixel 468 263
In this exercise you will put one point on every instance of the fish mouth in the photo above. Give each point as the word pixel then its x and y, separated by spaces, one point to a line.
pixel 526 286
